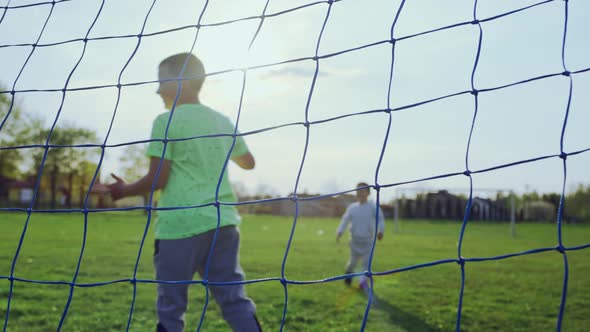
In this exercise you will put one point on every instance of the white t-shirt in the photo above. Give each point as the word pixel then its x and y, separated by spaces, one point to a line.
pixel 361 218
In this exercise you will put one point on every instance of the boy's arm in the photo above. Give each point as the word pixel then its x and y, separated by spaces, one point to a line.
pixel 241 154
pixel 245 161
pixel 120 189
pixel 343 223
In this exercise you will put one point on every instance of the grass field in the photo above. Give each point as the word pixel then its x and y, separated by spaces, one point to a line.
pixel 516 294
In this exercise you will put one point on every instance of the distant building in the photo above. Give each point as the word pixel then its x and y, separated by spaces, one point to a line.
pixel 539 211
pixel 308 205
pixel 17 191
pixel 439 205
pixel 444 205
pixel 333 206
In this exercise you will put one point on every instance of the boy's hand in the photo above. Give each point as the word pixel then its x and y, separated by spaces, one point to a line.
pixel 117 188
pixel 379 236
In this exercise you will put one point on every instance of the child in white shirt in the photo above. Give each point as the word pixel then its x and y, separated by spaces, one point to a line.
pixel 360 216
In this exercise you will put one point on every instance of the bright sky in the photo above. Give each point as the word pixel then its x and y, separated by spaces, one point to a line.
pixel 512 124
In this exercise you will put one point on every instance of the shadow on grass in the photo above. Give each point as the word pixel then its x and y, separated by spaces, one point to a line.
pixel 401 318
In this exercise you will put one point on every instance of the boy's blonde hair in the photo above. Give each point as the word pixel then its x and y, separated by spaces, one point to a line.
pixel 194 67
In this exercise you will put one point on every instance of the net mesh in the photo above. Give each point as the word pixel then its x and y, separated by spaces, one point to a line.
pixel 316 58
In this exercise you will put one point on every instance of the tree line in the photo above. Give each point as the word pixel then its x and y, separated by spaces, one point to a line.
pixel 70 168
pixel 576 206
pixel 66 168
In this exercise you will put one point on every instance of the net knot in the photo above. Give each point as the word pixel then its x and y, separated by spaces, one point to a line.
pixel 474 92
pixel 566 73
pixel 12 92
pixel 118 85
pixel 474 22
pixel 34 45
pixel 29 210
pixel 306 124
pixel 563 155
pixel 467 173
pixel 205 282
pixel 315 58
pixel 216 204
pixel 85 210
pixel 377 187
pixel 283 281
pixel 85 40
pixel 392 41
pixel 461 261
pixel 560 248
pixel 133 281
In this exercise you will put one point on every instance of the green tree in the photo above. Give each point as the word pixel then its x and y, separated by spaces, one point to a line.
pixel 17 129
pixel 84 173
pixel 134 161
pixel 577 204
pixel 63 161
pixel 553 199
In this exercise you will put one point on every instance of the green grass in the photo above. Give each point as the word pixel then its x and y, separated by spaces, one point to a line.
pixel 516 294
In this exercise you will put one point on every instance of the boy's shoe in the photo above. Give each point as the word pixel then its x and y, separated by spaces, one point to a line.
pixel 348 281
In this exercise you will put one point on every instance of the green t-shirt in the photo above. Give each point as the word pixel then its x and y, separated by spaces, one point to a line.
pixel 196 165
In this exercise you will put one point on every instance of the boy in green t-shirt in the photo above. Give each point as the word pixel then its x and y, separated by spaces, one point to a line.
pixel 189 175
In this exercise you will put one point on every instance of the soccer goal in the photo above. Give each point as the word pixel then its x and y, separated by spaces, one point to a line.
pixel 401 94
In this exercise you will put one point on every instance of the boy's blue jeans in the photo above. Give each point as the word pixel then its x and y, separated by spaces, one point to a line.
pixel 180 259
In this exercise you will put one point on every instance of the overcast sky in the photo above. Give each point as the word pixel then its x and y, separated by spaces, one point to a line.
pixel 512 124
